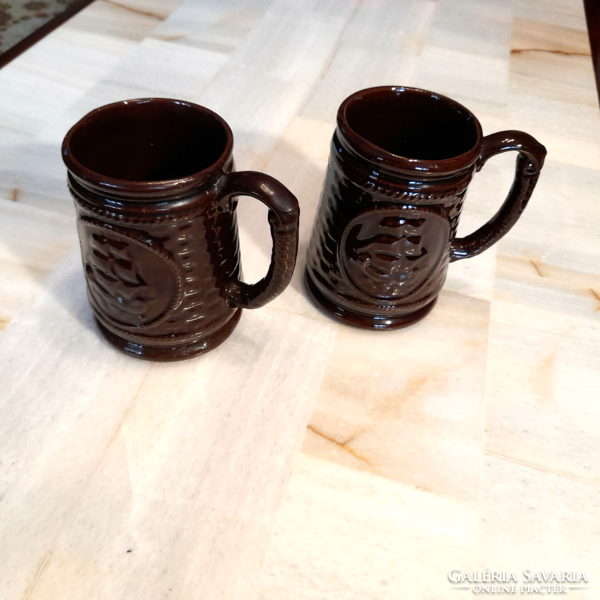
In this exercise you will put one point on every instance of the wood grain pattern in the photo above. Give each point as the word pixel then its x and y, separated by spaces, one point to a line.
pixel 467 441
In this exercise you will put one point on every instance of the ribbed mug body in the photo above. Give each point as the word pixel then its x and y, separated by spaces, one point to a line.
pixel 157 271
pixel 380 246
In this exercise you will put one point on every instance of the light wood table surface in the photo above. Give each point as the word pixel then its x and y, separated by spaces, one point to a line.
pixel 468 441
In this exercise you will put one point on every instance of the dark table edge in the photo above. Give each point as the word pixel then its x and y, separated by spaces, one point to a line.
pixel 44 30
pixel 592 16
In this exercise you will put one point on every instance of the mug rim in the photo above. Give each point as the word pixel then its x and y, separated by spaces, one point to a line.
pixel 375 154
pixel 166 187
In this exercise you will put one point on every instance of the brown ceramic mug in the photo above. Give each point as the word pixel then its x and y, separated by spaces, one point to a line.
pixel 401 161
pixel 154 187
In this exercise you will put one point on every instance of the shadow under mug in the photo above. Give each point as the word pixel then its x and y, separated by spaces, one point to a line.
pixel 154 187
pixel 385 231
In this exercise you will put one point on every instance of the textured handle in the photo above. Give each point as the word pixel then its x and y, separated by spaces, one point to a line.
pixel 284 216
pixel 529 164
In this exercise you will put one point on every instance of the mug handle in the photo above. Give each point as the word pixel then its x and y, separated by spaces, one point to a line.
pixel 284 217
pixel 529 164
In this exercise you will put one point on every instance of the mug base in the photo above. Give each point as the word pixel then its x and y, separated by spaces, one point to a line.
pixel 362 320
pixel 167 354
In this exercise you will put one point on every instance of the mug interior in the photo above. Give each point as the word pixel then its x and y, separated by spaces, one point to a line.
pixel 149 140
pixel 413 124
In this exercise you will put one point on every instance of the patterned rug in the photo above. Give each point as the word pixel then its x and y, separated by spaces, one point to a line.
pixel 19 19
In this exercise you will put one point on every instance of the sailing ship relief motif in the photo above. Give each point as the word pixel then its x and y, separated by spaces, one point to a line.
pixel 128 275
pixel 389 253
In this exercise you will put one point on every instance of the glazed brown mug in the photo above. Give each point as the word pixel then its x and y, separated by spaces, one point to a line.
pixel 385 230
pixel 155 191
